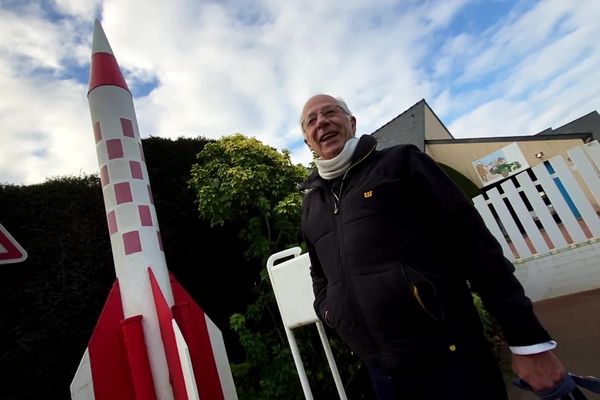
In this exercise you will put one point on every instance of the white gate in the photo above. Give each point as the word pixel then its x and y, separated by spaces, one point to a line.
pixel 549 215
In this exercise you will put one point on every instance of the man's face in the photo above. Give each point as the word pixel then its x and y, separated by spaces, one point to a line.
pixel 326 126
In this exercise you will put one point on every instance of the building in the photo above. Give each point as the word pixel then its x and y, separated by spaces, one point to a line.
pixel 473 158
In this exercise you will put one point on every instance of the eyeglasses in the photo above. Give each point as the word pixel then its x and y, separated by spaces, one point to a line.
pixel 310 121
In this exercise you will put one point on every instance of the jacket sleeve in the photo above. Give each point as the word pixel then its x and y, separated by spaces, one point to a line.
pixel 319 283
pixel 481 259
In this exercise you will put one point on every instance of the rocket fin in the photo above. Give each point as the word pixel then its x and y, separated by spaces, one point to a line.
pixel 186 364
pixel 104 370
pixel 165 318
pixel 82 387
pixel 206 347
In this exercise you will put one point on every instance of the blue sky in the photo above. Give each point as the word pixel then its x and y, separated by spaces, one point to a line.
pixel 212 68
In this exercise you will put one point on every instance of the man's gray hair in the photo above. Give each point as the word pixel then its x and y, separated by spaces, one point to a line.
pixel 339 101
pixel 342 103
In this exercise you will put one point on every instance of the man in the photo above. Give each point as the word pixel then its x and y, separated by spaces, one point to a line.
pixel 395 248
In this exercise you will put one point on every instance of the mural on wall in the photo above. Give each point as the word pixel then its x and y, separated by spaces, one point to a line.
pixel 500 164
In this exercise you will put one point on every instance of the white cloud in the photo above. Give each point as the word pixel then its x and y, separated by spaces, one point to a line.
pixel 41 131
pixel 217 67
pixel 77 8
pixel 30 41
pixel 539 69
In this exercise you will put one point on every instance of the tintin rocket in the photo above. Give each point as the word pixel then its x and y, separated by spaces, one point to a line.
pixel 152 340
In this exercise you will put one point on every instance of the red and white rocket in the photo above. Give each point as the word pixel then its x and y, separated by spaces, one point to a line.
pixel 152 340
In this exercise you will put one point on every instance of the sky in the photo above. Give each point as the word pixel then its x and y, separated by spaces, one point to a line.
pixel 214 68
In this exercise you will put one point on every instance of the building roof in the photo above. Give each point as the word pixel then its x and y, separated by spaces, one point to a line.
pixel 588 123
pixel 528 138
pixel 419 125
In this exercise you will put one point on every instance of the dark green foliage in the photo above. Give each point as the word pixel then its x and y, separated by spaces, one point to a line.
pixel 207 261
pixel 493 334
pixel 468 188
pixel 50 303
pixel 241 182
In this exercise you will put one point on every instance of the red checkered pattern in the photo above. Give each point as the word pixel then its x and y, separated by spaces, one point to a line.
pixel 114 148
pixel 136 170
pixel 112 222
pixel 131 242
pixel 150 195
pixel 160 245
pixel 145 216
pixel 97 132
pixel 104 179
pixel 127 127
pixel 123 193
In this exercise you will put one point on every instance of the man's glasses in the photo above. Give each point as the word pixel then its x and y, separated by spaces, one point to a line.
pixel 310 121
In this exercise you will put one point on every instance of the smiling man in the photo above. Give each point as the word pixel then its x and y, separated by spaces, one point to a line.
pixel 395 249
pixel 336 124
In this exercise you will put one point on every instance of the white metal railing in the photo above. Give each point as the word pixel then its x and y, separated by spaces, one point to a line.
pixel 292 285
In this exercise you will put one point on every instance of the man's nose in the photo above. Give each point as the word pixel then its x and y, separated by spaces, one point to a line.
pixel 321 120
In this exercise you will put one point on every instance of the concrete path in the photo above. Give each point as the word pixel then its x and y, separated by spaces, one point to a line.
pixel 574 322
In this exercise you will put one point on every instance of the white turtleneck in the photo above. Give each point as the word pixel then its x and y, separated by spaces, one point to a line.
pixel 337 166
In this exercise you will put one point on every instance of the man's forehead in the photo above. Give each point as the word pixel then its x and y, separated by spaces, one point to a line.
pixel 318 101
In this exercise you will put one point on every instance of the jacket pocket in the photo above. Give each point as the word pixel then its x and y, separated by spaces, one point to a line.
pixel 342 316
pixel 338 311
pixel 425 293
pixel 400 302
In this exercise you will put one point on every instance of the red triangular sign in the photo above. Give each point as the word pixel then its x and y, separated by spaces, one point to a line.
pixel 10 250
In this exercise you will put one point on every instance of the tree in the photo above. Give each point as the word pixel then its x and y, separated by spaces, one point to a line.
pixel 50 302
pixel 240 181
pixel 202 258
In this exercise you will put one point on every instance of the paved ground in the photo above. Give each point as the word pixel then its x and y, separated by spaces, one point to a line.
pixel 574 322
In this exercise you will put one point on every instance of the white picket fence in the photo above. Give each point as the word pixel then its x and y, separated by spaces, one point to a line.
pixel 549 247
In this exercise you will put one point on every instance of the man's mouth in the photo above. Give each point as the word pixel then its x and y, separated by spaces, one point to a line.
pixel 327 136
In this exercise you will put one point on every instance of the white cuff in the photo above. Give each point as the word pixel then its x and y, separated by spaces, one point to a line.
pixel 534 348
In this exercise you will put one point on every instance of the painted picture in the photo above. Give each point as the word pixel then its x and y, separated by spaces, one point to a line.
pixel 500 164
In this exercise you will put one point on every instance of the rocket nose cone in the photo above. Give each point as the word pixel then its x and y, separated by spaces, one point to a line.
pixel 104 69
pixel 99 41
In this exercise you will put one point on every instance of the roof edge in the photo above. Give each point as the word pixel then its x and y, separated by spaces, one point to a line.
pixel 525 138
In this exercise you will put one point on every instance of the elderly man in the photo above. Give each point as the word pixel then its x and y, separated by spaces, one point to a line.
pixel 395 249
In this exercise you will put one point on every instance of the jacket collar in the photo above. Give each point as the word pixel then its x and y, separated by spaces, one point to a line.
pixel 366 144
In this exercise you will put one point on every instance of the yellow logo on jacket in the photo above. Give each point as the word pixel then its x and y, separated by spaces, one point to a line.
pixel 368 194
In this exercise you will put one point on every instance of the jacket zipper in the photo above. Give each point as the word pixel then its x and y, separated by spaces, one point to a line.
pixel 337 223
pixel 337 197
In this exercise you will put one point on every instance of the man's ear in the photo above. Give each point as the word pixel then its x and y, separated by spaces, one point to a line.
pixel 353 122
pixel 308 144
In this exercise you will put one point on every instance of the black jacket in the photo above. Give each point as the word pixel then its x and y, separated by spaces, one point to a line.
pixel 392 245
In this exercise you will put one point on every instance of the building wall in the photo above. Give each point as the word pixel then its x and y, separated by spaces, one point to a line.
pixel 461 155
pixel 406 128
pixel 434 129
pixel 568 271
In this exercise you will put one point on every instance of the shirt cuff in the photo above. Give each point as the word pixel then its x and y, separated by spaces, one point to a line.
pixel 534 348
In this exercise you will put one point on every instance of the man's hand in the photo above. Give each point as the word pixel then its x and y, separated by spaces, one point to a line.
pixel 542 371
